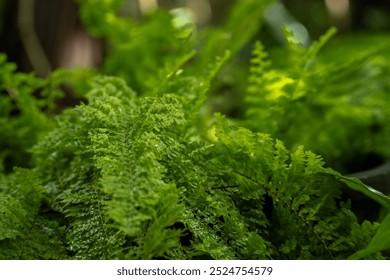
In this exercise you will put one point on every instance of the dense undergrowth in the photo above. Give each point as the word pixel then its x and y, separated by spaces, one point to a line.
pixel 143 169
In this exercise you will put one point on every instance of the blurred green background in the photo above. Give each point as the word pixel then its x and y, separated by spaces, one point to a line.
pixel 42 35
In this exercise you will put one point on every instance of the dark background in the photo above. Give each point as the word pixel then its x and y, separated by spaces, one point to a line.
pixel 63 41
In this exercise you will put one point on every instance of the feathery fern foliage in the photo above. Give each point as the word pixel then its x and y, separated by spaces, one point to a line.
pixel 28 231
pixel 27 107
pixel 145 176
pixel 321 104
pixel 130 180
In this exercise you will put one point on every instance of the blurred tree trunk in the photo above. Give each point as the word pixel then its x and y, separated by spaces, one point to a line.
pixel 55 23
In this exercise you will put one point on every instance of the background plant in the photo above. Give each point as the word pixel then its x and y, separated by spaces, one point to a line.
pixel 333 105
pixel 142 169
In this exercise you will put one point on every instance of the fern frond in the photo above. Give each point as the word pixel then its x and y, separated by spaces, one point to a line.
pixel 304 101
pixel 316 46
pixel 237 30
pixel 302 199
pixel 24 231
pixel 260 64
pixel 118 194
